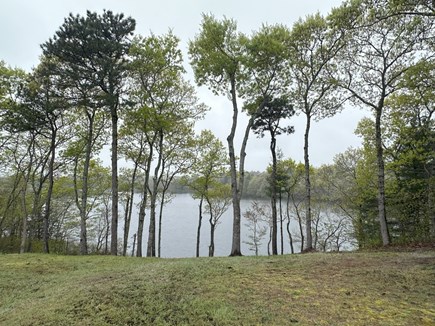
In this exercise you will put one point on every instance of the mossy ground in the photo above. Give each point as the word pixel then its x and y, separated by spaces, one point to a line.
pixel 376 288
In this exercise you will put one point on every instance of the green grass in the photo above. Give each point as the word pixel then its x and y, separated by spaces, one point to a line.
pixel 380 288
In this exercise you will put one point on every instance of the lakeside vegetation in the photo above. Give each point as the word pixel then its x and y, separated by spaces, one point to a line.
pixel 361 288
pixel 99 84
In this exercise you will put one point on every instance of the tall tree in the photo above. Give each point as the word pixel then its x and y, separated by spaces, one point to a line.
pixel 216 55
pixel 234 65
pixel 313 49
pixel 94 48
pixel 165 103
pixel 377 54
pixel 44 99
pixel 268 120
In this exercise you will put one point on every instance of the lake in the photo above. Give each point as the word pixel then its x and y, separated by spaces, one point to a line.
pixel 179 227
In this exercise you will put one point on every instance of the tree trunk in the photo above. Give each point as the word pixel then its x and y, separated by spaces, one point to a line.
pixel 49 191
pixel 236 239
pixel 159 238
pixel 134 245
pixel 198 232
pixel 129 209
pixel 273 198
pixel 292 250
pixel 381 179
pixel 114 224
pixel 24 223
pixel 309 242
pixel 151 247
pixel 142 208
pixel 281 222
pixel 24 204
pixel 126 225
pixel 211 247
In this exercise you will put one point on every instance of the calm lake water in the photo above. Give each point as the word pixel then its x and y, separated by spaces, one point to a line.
pixel 179 227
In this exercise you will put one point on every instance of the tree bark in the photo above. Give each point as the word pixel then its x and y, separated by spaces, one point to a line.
pixel 83 204
pixel 49 190
pixel 151 247
pixel 198 232
pixel 159 237
pixel 142 208
pixel 292 250
pixel 381 179
pixel 23 202
pixel 128 204
pixel 129 209
pixel 309 242
pixel 281 223
pixel 134 245
pixel 273 197
pixel 114 223
pixel 211 247
pixel 236 242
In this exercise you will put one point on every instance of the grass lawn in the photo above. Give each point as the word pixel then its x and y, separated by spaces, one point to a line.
pixel 376 288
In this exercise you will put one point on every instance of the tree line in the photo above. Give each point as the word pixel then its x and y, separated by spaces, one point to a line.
pixel 98 84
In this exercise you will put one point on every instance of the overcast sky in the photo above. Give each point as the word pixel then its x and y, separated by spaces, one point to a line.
pixel 25 24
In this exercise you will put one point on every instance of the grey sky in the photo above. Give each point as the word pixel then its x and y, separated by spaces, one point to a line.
pixel 25 24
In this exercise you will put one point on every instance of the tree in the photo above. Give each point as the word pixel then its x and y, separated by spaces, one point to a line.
pixel 410 139
pixel 218 199
pixel 216 57
pixel 166 107
pixel 255 218
pixel 94 48
pixel 314 48
pixel 268 120
pixel 377 54
pixel 234 65
pixel 46 106
pixel 209 166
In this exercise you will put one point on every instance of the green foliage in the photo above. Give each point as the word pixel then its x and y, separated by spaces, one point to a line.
pixel 216 54
pixel 270 115
pixel 93 48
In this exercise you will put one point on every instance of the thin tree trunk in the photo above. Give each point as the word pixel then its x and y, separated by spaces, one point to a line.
pixel 126 225
pixel 151 247
pixel 49 191
pixel 273 198
pixel 309 243
pixel 281 223
pixel 288 224
pixel 129 209
pixel 198 232
pixel 114 224
pixel 300 223
pixel 24 204
pixel 381 179
pixel 211 247
pixel 159 237
pixel 84 195
pixel 24 222
pixel 134 245
pixel 236 239
pixel 142 208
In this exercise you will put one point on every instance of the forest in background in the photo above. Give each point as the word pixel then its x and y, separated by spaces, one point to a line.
pixel 98 84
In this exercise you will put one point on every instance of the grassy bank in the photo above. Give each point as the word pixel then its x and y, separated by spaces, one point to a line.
pixel 384 288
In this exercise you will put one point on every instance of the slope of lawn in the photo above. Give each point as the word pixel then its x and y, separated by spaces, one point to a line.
pixel 378 288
